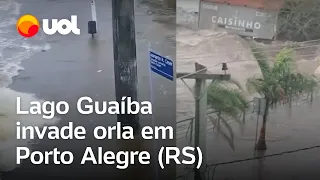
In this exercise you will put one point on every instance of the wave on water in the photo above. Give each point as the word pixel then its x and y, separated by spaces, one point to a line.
pixel 13 50
pixel 8 120
pixel 13 47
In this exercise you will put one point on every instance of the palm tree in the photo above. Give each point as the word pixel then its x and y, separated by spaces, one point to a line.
pixel 279 84
pixel 226 102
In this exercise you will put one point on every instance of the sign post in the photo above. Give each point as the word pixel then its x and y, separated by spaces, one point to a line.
pixel 94 12
pixel 259 105
pixel 92 25
pixel 161 65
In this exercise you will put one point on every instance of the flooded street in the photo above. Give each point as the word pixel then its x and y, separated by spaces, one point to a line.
pixel 287 130
pixel 76 66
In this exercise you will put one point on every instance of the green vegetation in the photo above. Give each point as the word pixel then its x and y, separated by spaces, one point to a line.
pixel 280 84
pixel 299 20
pixel 226 102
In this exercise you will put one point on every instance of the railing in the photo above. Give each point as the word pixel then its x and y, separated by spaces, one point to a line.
pixel 210 169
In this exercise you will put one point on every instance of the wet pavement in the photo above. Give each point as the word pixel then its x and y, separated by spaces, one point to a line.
pixel 77 66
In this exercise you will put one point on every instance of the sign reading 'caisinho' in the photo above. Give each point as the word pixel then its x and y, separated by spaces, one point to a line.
pixel 235 21
pixel 244 21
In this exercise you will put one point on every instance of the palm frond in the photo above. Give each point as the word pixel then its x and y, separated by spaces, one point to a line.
pixel 228 103
pixel 231 81
pixel 283 65
pixel 282 84
pixel 226 100
pixel 262 60
pixel 255 84
pixel 229 138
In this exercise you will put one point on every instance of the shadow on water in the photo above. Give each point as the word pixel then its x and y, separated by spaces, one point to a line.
pixel 93 42
pixel 260 165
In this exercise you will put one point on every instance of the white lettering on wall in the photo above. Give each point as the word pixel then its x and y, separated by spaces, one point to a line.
pixel 235 21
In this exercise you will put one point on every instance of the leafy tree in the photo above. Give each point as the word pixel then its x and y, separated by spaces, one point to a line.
pixel 279 84
pixel 299 20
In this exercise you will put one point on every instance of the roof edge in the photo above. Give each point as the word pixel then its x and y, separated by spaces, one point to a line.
pixel 274 5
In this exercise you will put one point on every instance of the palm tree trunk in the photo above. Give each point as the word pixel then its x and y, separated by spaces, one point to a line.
pixel 218 123
pixel 290 107
pixel 261 144
pixel 243 122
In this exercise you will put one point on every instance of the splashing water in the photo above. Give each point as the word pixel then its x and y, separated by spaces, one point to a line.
pixel 13 47
pixel 13 50
pixel 8 119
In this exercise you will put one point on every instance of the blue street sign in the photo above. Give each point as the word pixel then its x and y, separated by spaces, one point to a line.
pixel 161 65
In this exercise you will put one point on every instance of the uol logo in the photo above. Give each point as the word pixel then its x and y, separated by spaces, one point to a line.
pixel 28 26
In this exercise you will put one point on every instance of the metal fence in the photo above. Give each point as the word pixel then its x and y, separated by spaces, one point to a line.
pixel 211 168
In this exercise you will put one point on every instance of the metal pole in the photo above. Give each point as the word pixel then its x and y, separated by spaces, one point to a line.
pixel 94 13
pixel 125 63
pixel 257 126
pixel 256 138
pixel 199 13
pixel 201 122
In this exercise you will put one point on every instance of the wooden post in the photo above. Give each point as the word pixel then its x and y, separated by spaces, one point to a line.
pixel 201 112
